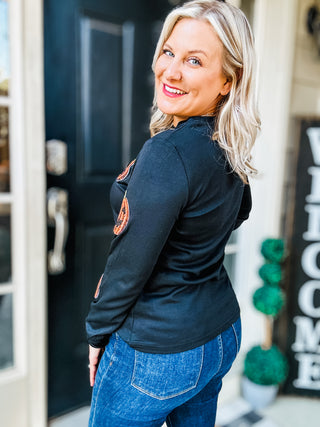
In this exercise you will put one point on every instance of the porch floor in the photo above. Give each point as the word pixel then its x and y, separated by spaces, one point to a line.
pixel 286 411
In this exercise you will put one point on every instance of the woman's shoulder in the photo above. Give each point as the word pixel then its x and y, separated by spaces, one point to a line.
pixel 190 143
pixel 160 149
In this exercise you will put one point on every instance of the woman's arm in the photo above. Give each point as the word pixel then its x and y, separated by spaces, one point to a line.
pixel 156 194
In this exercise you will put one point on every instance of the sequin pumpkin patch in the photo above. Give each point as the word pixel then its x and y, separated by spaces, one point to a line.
pixel 126 172
pixel 98 288
pixel 123 217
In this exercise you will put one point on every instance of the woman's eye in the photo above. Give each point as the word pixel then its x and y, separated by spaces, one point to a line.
pixel 167 52
pixel 194 61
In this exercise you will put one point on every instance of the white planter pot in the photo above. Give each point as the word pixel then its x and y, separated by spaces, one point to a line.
pixel 259 396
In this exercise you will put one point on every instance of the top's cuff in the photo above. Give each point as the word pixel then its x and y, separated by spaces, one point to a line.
pixel 98 341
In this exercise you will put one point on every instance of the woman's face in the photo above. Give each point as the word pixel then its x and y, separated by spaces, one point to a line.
pixel 188 72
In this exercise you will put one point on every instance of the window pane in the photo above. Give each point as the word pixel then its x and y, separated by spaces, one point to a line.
pixel 5 244
pixel 6 341
pixel 4 48
pixel 4 149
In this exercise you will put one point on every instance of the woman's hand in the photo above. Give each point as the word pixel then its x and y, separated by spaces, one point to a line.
pixel 95 355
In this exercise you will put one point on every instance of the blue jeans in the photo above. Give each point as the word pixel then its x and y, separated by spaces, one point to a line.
pixel 135 389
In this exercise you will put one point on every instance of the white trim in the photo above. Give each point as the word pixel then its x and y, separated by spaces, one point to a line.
pixel 6 288
pixel 232 248
pixel 6 198
pixel 36 219
pixel 5 101
pixel 10 375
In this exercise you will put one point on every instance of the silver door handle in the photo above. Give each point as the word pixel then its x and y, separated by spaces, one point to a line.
pixel 57 200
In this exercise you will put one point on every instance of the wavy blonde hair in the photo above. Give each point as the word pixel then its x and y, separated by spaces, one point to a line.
pixel 237 118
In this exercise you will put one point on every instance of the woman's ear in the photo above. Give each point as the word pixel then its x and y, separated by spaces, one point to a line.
pixel 226 87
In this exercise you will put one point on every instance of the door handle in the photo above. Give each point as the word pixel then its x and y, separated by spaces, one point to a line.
pixel 57 202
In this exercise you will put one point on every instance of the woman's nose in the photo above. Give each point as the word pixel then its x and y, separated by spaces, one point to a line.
pixel 173 70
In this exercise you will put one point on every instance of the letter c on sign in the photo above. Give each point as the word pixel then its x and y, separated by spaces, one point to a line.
pixel 306 298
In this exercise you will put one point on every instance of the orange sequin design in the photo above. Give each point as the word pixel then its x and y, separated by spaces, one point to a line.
pixel 123 217
pixel 125 173
pixel 98 288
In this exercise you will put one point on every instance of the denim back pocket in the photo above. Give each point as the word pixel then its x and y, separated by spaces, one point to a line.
pixel 163 376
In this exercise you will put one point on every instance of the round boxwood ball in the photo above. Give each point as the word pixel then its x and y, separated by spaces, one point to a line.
pixel 273 250
pixel 265 366
pixel 269 300
pixel 271 273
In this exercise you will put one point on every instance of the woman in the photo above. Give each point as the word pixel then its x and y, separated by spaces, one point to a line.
pixel 164 309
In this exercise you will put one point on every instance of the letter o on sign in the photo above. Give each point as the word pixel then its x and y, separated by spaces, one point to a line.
pixel 306 298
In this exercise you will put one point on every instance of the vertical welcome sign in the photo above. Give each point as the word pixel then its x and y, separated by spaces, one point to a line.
pixel 303 278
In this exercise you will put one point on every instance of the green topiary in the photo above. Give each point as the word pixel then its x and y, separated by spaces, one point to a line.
pixel 265 367
pixel 273 250
pixel 271 273
pixel 269 300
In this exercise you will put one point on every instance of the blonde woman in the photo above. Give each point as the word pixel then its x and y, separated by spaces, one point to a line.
pixel 164 309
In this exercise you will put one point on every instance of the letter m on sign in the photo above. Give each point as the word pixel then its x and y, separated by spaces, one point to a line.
pixel 307 335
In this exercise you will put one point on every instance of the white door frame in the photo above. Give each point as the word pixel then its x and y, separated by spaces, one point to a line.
pixel 36 224
pixel 23 399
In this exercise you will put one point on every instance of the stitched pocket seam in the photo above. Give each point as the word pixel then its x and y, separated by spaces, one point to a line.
pixel 235 334
pixel 220 352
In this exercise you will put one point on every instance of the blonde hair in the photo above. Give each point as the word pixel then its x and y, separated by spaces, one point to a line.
pixel 237 118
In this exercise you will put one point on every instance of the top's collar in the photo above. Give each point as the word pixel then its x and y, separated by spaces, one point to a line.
pixel 197 120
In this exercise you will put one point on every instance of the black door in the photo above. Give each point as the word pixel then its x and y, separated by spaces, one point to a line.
pixel 98 92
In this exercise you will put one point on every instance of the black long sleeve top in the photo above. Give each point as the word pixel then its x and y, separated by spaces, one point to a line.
pixel 164 288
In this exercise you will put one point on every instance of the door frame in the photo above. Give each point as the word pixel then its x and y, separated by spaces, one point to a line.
pixel 23 399
pixel 36 224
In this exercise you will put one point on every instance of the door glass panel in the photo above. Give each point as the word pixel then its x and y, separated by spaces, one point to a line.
pixel 6 338
pixel 4 150
pixel 4 48
pixel 5 245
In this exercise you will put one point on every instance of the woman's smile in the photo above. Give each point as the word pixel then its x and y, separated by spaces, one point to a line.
pixel 172 91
